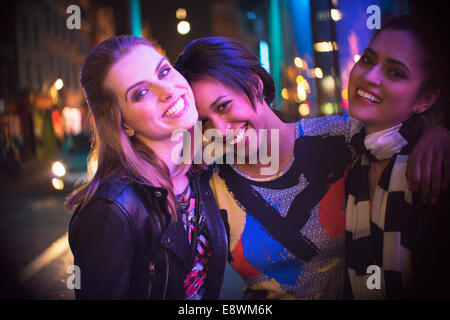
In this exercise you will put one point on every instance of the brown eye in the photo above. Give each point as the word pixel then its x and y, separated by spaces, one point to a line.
pixel 222 107
pixel 396 73
pixel 365 59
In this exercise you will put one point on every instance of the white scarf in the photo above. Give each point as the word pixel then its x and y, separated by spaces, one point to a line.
pixel 385 143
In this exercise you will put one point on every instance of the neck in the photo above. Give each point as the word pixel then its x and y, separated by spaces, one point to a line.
pixel 164 150
pixel 370 128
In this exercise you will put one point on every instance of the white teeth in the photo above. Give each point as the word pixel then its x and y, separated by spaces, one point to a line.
pixel 367 96
pixel 237 136
pixel 175 109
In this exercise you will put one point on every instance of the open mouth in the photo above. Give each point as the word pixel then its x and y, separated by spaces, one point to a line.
pixel 176 109
pixel 368 96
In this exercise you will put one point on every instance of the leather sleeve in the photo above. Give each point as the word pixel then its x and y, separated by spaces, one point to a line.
pixel 101 241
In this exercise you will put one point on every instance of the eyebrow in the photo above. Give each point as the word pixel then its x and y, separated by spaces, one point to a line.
pixel 217 100
pixel 141 82
pixel 390 60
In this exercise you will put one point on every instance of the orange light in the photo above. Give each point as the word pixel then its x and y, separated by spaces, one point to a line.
pixel 304 109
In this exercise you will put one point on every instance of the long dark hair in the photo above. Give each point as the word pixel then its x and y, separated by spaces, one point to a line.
pixel 228 61
pixel 434 58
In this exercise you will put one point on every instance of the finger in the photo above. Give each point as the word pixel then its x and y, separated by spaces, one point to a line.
pixel 413 173
pixel 425 182
pixel 436 177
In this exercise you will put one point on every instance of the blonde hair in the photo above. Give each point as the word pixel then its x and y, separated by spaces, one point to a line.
pixel 114 155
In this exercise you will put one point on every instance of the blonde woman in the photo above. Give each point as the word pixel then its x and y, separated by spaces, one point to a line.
pixel 144 226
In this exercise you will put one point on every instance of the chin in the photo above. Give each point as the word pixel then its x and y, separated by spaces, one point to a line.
pixel 360 113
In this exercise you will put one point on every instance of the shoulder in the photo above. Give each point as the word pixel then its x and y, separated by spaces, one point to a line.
pixel 113 203
pixel 107 206
pixel 339 125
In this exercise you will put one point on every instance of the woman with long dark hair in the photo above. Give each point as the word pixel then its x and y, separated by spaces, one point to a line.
pixel 397 80
pixel 145 226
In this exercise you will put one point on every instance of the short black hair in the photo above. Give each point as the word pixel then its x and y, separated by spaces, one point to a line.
pixel 228 61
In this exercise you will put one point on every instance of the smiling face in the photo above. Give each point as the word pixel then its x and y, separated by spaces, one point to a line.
pixel 384 84
pixel 154 99
pixel 221 107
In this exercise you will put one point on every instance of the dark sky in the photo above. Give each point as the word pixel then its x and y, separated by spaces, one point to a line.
pixel 163 22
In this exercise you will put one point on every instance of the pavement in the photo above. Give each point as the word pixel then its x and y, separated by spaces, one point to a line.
pixel 32 219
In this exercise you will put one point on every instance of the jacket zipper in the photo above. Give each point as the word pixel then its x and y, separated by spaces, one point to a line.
pixel 197 227
pixel 166 259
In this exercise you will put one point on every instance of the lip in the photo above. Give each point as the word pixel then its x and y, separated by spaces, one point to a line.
pixel 365 101
pixel 180 113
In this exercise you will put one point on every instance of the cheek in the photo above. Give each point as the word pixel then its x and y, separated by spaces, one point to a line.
pixel 399 95
pixel 355 74
pixel 203 111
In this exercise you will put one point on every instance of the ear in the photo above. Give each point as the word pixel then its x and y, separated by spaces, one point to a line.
pixel 426 100
pixel 128 130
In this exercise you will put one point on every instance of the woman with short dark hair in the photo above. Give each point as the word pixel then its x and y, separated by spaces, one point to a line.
pixel 286 228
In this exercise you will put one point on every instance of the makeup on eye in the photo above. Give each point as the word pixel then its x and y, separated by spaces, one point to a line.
pixel 165 70
pixel 397 73
pixel 367 59
pixel 222 106
pixel 139 94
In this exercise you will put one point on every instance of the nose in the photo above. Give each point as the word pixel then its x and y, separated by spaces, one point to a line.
pixel 373 76
pixel 166 91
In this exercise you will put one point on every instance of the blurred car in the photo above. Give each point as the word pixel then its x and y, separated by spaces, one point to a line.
pixel 71 162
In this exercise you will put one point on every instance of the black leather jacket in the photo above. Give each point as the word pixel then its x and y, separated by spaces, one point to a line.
pixel 127 247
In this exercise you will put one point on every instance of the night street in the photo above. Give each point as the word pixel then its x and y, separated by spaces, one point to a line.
pixel 32 218
pixel 231 150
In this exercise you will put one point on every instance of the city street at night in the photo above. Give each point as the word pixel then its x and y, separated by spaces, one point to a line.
pixel 232 150
pixel 34 250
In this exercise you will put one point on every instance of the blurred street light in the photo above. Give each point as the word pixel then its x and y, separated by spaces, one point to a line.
pixel 318 73
pixel 304 109
pixel 181 14
pixel 183 27
pixel 59 84
pixel 58 169
pixel 335 14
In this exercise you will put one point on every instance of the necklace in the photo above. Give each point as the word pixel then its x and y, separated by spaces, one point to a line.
pixel 277 175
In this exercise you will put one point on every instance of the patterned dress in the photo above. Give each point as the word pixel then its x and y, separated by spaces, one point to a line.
pixel 195 282
pixel 287 232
